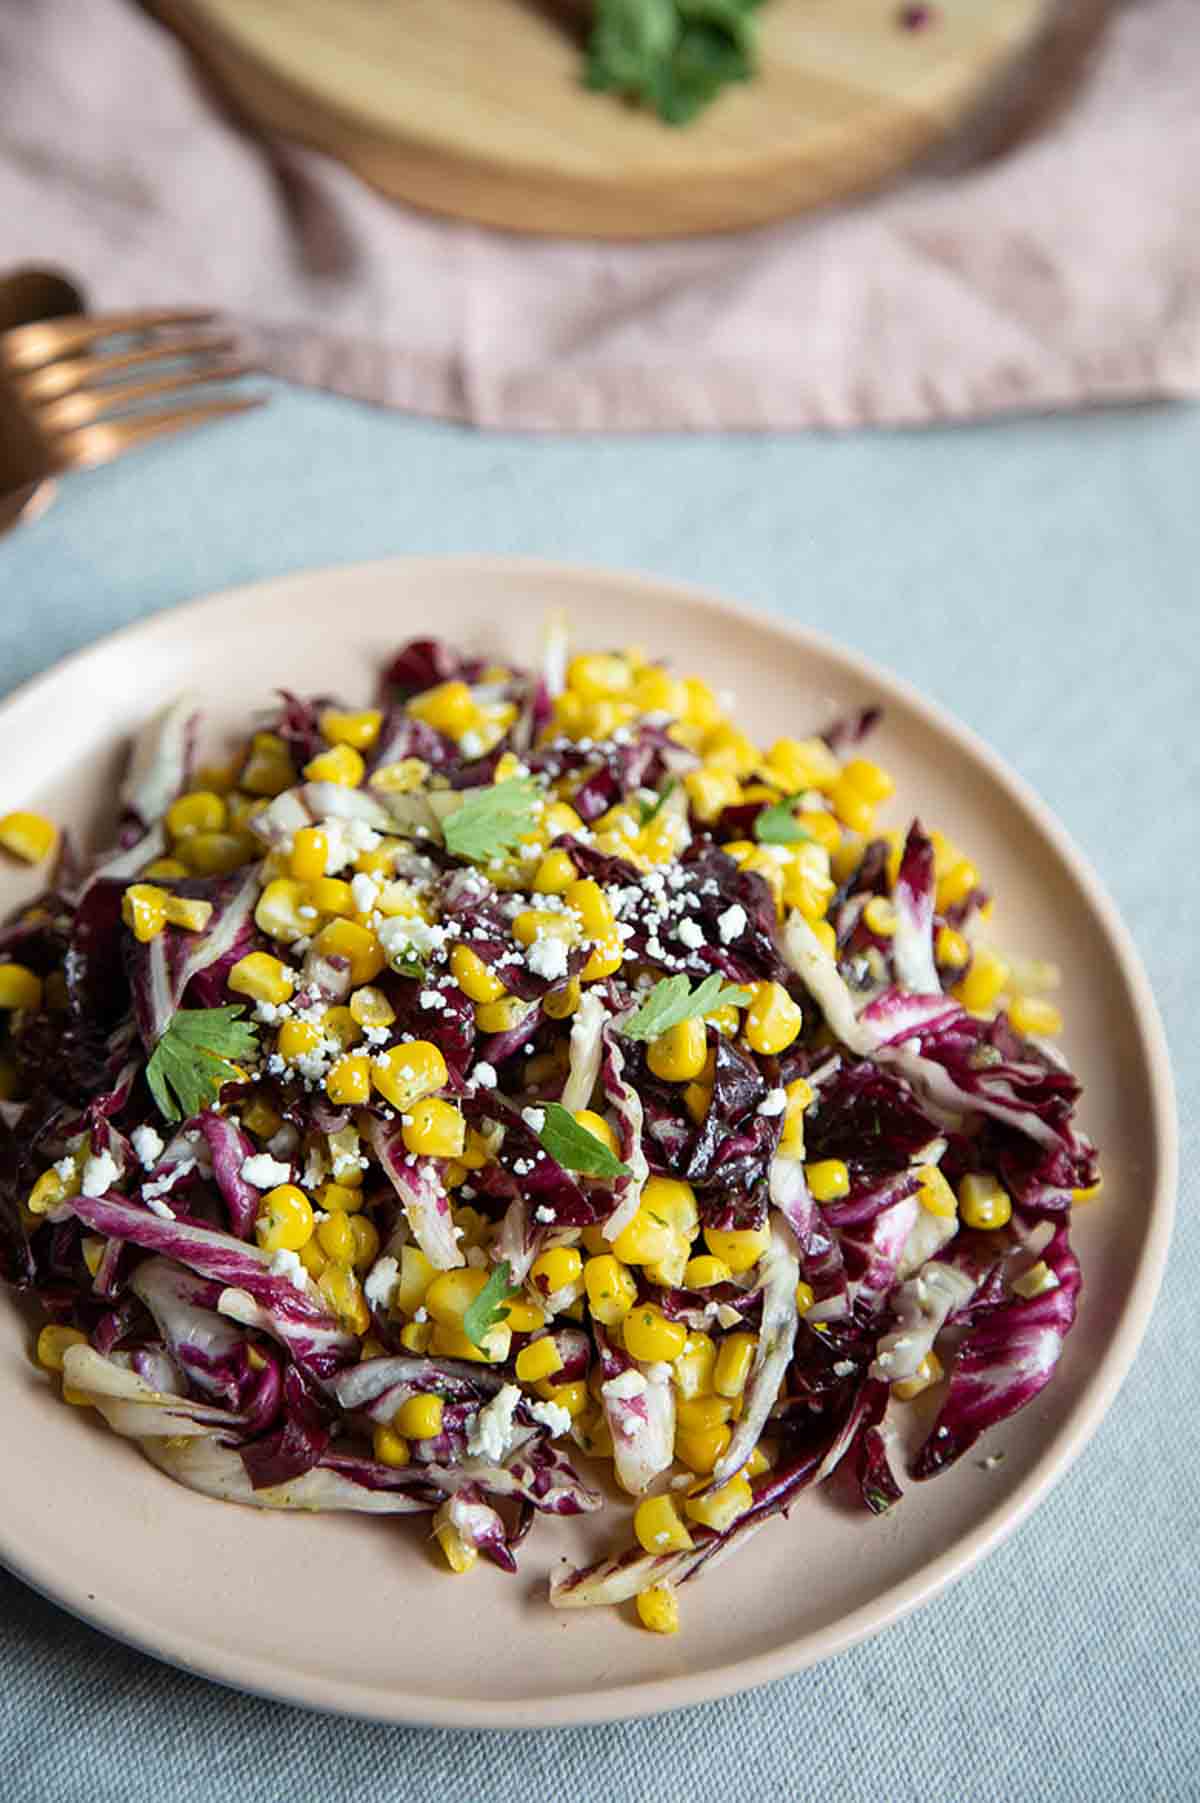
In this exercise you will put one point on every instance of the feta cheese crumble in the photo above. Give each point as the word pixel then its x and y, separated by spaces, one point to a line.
pixel 492 1432
pixel 263 1171
pixel 732 923
pixel 631 1383
pixel 381 1281
pixel 287 1264
pixel 99 1174
pixel 148 1145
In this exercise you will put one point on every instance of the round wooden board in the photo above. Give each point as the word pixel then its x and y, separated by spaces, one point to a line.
pixel 476 108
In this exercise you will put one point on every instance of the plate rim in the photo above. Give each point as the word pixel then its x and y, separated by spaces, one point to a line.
pixel 629 1701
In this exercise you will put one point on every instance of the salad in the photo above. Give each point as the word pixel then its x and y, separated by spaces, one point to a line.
pixel 525 1093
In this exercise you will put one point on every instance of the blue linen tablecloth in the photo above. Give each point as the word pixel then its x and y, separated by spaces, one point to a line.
pixel 1040 579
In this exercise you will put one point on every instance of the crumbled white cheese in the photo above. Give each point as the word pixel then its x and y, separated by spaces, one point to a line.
pixel 158 1207
pixel 161 1185
pixel 380 1282
pixel 843 1367
pixel 484 1075
pixel 553 1416
pixel 731 923
pixel 264 1172
pixel 774 1102
pixel 534 1118
pixel 287 1264
pixel 490 1435
pixel 547 958
pixel 148 1145
pixel 99 1174
pixel 364 892
pixel 66 1168
pixel 691 933
pixel 544 1215
pixel 406 936
pixel 631 1383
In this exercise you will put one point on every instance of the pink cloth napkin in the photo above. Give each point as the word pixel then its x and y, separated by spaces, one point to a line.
pixel 1065 273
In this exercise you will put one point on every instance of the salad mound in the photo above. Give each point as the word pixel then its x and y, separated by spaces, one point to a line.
pixel 526 1068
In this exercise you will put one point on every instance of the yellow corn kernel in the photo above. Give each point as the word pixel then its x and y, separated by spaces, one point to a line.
pixel 658 1527
pixel 285 1219
pixel 278 911
pixel 538 1360
pixel 28 836
pixel 1088 1194
pixel 477 982
pixel 825 935
pixel 693 1370
pixel 740 1249
pixel 343 1292
pixel 298 1039
pixel 572 1397
pixel 200 811
pixel 53 1342
pixel 851 806
pixel 406 1073
pixel 339 1198
pixel 451 1293
pixel 799 1099
pixel 165 870
pixel 369 1007
pixel 349 1082
pixel 879 916
pixel 598 1127
pixel 340 1025
pixel 415 1276
pixel 611 1291
pixel 697 1099
pixel 802 764
pixel 805 1296
pixel 644 1241
pixel 734 1359
pixel 524 1316
pixel 869 779
pixel 651 1337
pixel 458 1553
pixel 823 828
pixel 143 909
pixel 773 1019
pixel 434 1129
pixel 448 708
pixel 656 691
pixel 310 851
pixel 1031 1014
pixel 501 1016
pixel 477 1152
pixel 597 674
pixel 330 895
pixel 262 977
pixel 658 1609
pixel 935 1194
pixel 560 1004
pixel 358 944
pixel 593 907
pixel 259 1118
pixel 475 1228
pixel 555 873
pixel 983 1203
pixel 557 1269
pixel 181 911
pixel 540 923
pixel 950 948
pixel 341 764
pixel 726 747
pixel 671 1200
pixel 983 982
pixel 417 1336
pixel 828 1181
pixel 452 1343
pixel 268 768
pixel 19 987
pixel 710 791
pixel 217 854
pixel 389 1447
pixel 700 1414
pixel 927 1373
pixel 678 1055
pixel 335 1236
pixel 955 886
pixel 719 1509
pixel 606 958
pixel 699 1448
pixel 358 730
pixel 705 1270
pixel 313 1257
pixel 420 1418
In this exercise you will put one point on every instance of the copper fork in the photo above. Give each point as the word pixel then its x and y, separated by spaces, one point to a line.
pixel 81 391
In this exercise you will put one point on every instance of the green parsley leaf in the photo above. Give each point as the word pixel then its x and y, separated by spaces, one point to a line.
pixel 669 1003
pixel 777 825
pixel 649 810
pixel 672 55
pixel 488 1309
pixel 574 1148
pixel 491 820
pixel 193 1058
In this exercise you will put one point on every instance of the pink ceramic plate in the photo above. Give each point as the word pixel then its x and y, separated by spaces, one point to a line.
pixel 353 1614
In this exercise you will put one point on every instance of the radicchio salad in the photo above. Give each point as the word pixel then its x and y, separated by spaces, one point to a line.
pixel 527 1071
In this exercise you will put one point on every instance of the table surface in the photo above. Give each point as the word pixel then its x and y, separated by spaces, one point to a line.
pixel 1038 577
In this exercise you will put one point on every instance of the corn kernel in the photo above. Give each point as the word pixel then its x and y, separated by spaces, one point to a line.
pixel 298 1039
pixel 956 885
pixel 802 764
pixel 406 1073
pixel 825 935
pixel 851 806
pixel 935 1194
pixel 458 1553
pixel 982 1203
pixel 341 764
pixel 928 1372
pixel 700 1448
pixel 540 1359
pixel 557 1269
pixel 719 1509
pixel 823 828
pixel 710 791
pixel 611 1291
pixel 477 982
pixel 415 1276
pixel 200 811
pixel 359 730
pixel 828 1180
pixel 449 708
pixel 417 1336
pixel 262 977
pixel 420 1418
pixel 734 1359
pixel 143 909
pixel 605 960
pixel 451 1293
pixel 369 1007
pixel 658 1609
pixel 572 1397
pixel 285 1219
pixel 555 873
pixel 595 675
pixel 310 852
pixel 658 1527
pixel 589 901
pixel 268 768
pixel 560 1004
pixel 693 1370
pixel 773 1019
pixel 879 916
pixel 278 911
pixel 165 870
pixel 19 987
pixel 313 1257
pixel 649 1335
pixel 805 1296
pixel 434 1129
pixel 678 1055
pixel 217 854
pixel 740 1249
pixel 1031 1014
pixel 335 1236
pixel 697 1099
pixel 348 1084
pixel 343 1292
pixel 28 836
pixel 389 1447
pixel 330 895
pixel 644 1241
pixel 53 1342
pixel 983 982
pixel 1087 1194
pixel 501 1016
pixel 950 948
pixel 705 1270
pixel 358 944
pixel 869 779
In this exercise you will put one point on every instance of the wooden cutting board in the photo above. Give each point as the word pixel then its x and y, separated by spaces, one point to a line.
pixel 475 107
